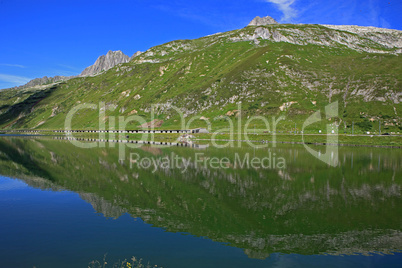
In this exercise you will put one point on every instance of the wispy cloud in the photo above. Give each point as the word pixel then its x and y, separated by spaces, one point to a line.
pixel 188 12
pixel 12 65
pixel 289 12
pixel 339 12
pixel 374 15
pixel 70 67
pixel 14 79
pixel 208 15
pixel 57 72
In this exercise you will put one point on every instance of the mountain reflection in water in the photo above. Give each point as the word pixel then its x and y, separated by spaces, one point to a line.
pixel 306 207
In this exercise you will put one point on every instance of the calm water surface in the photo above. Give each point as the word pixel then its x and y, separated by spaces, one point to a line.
pixel 62 206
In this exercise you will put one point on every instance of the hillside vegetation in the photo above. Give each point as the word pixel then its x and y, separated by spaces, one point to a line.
pixel 273 70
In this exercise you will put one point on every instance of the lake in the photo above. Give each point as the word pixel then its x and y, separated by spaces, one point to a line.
pixel 64 206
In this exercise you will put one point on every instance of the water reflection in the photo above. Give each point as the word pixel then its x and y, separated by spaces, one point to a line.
pixel 305 207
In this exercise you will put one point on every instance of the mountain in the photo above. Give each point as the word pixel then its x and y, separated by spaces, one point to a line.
pixel 105 62
pixel 257 21
pixel 44 81
pixel 135 55
pixel 270 70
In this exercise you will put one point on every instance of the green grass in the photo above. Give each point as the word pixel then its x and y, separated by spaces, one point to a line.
pixel 211 75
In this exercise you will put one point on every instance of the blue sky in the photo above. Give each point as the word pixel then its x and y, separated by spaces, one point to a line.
pixel 62 37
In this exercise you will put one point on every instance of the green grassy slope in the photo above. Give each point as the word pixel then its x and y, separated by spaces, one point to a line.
pixel 212 75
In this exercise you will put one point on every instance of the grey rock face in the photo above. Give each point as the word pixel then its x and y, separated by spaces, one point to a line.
pixel 103 206
pixel 44 81
pixel 105 62
pixel 258 21
pixel 360 38
pixel 136 54
pixel 386 37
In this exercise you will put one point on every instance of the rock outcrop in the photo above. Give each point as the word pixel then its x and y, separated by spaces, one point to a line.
pixel 258 21
pixel 105 62
pixel 103 206
pixel 360 38
pixel 136 54
pixel 44 81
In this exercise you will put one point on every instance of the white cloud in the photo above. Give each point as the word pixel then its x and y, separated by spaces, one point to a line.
pixel 14 79
pixel 384 23
pixel 285 6
pixel 12 65
pixel 70 67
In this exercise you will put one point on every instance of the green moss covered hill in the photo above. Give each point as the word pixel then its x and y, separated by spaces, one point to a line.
pixel 271 70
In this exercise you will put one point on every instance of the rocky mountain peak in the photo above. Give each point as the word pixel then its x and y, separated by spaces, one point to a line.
pixel 258 21
pixel 136 54
pixel 105 62
pixel 44 81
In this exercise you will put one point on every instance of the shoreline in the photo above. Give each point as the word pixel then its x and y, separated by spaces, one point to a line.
pixel 309 143
pixel 164 139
